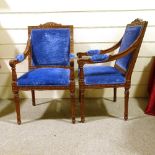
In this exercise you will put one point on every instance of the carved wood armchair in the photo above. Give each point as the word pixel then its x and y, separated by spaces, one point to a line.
pixel 49 50
pixel 107 76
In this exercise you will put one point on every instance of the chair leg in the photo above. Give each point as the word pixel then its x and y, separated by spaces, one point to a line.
pixel 126 103
pixel 17 105
pixel 73 105
pixel 115 94
pixel 33 97
pixel 82 106
pixel 79 95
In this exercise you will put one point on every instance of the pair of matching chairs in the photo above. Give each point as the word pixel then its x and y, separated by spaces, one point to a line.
pixel 51 64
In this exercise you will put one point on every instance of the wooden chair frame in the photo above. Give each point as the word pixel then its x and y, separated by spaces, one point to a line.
pixel 27 53
pixel 134 49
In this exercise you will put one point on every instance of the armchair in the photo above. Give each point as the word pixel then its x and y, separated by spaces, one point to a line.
pixel 107 76
pixel 49 50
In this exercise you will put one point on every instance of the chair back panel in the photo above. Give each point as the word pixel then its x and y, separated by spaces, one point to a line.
pixel 50 46
pixel 130 35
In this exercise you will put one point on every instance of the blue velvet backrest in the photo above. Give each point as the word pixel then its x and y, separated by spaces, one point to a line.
pixel 50 46
pixel 130 35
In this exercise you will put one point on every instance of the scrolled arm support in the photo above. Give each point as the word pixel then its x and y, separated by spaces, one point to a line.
pixel 21 57
pixel 81 54
pixel 111 49
pixel 14 74
pixel 131 49
pixel 14 62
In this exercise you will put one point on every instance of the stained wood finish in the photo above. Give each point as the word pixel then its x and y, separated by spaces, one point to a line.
pixel 134 49
pixel 27 53
pixel 115 94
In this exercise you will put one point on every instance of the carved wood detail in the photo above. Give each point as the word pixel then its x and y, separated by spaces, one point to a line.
pixel 27 53
pixel 134 49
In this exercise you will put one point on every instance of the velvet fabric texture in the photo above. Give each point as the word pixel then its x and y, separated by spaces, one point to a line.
pixel 45 77
pixel 72 56
pixel 150 109
pixel 20 57
pixel 50 46
pixel 93 52
pixel 99 57
pixel 130 35
pixel 102 75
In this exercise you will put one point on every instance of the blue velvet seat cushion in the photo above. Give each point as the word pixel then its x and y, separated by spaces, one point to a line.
pixel 50 46
pixel 45 77
pixel 130 35
pixel 102 75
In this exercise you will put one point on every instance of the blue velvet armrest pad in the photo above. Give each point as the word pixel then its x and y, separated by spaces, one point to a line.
pixel 93 52
pixel 72 56
pixel 100 57
pixel 20 57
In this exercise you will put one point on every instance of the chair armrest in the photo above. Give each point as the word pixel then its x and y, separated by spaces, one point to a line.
pixel 72 56
pixel 88 53
pixel 81 54
pixel 94 52
pixel 99 57
pixel 106 58
pixel 21 57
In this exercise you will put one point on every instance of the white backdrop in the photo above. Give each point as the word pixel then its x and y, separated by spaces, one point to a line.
pixel 97 24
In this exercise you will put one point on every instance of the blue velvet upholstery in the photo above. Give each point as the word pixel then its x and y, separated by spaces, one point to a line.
pixel 102 75
pixel 72 56
pixel 93 52
pixel 20 57
pixel 130 35
pixel 45 77
pixel 99 57
pixel 50 46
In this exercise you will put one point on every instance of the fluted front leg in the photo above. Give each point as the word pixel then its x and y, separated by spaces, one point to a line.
pixel 72 96
pixel 82 106
pixel 115 94
pixel 15 90
pixel 81 91
pixel 73 105
pixel 72 91
pixel 33 97
pixel 17 105
pixel 79 95
pixel 126 103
